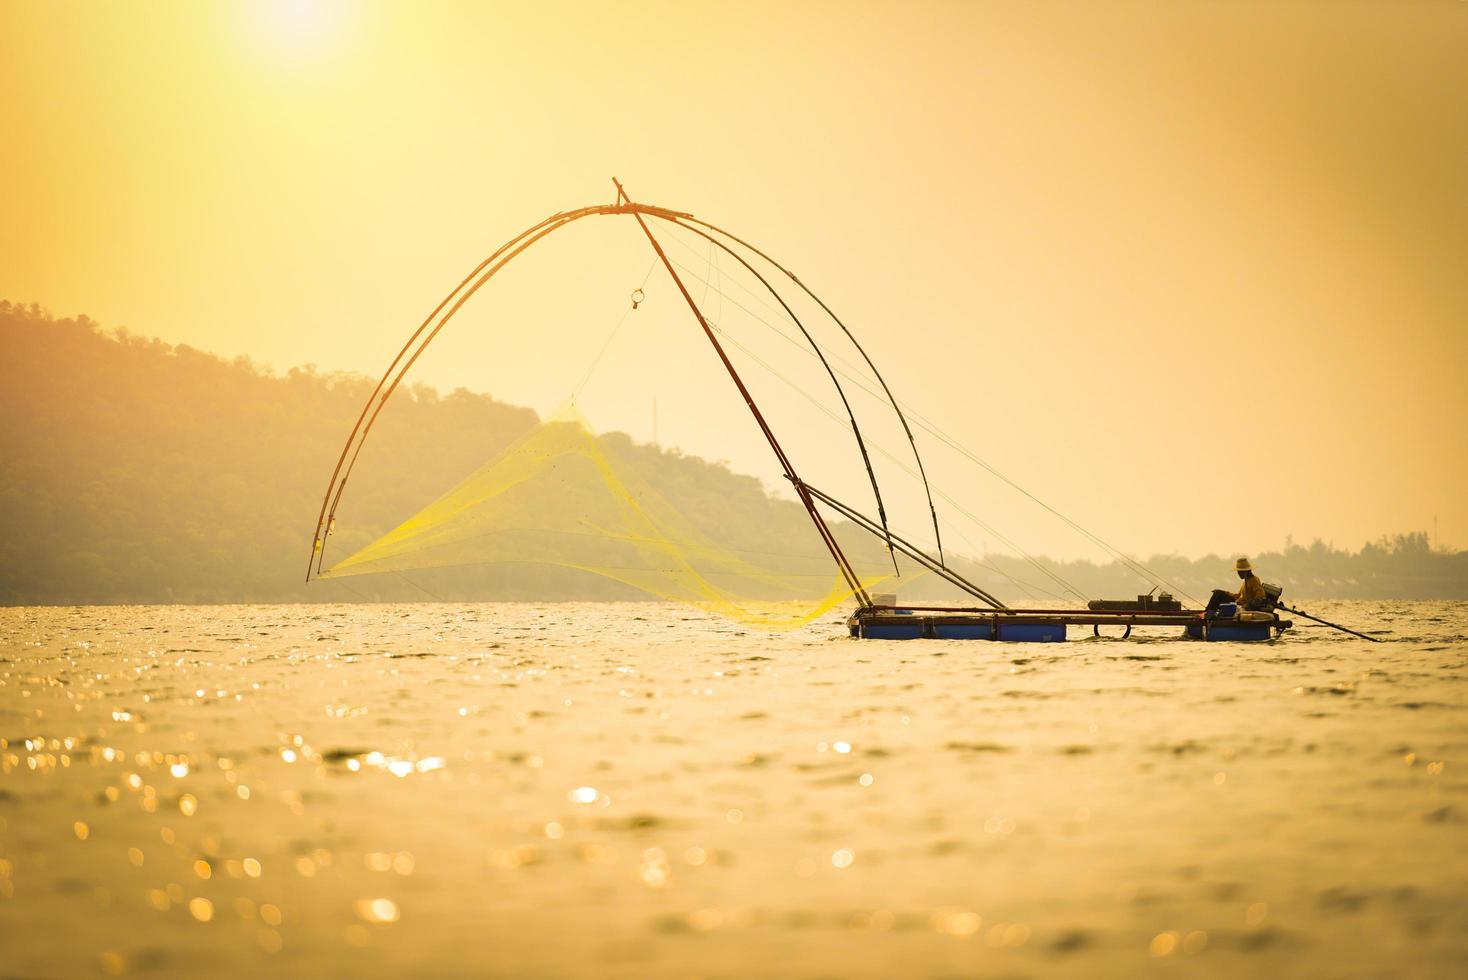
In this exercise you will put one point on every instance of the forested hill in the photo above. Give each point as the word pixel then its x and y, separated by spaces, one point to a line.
pixel 131 470
pixel 135 471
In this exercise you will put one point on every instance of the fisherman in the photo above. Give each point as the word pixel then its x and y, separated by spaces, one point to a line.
pixel 1250 595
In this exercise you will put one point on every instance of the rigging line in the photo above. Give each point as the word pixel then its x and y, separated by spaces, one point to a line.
pixel 825 532
pixel 908 548
pixel 1028 588
pixel 712 272
pixel 845 402
pixel 892 399
pixel 988 562
pixel 591 368
pixel 1065 586
pixel 1136 567
pixel 985 562
pixel 814 349
pixel 1019 583
pixel 361 596
pixel 420 588
pixel 753 296
pixel 719 289
pixel 708 261
pixel 856 378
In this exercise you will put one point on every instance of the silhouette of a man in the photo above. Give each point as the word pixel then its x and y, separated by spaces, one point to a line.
pixel 1251 592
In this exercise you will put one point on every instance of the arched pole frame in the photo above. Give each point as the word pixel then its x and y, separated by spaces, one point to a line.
pixel 424 335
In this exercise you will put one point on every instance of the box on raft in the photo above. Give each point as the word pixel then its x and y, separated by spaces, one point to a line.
pixel 1045 626
pixel 1144 603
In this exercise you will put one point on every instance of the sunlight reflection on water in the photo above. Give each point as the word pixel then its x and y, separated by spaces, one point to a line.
pixel 632 790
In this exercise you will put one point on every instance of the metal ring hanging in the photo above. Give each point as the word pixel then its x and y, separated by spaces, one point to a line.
pixel 637 297
pixel 1096 631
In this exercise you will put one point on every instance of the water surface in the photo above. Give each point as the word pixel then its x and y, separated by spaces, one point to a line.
pixel 637 790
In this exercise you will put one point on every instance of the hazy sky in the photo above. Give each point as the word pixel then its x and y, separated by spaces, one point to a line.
pixel 1195 273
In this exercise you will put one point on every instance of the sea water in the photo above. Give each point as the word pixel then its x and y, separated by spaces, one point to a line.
pixel 639 790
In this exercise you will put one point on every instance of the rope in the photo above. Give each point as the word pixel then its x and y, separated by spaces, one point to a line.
pixel 932 429
pixel 1066 586
pixel 591 368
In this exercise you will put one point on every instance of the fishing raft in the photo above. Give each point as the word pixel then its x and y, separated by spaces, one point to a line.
pixel 879 622
pixel 879 616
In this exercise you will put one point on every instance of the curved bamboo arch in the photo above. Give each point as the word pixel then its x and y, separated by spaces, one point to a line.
pixel 497 260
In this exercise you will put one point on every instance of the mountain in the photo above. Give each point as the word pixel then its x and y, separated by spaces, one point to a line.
pixel 136 471
pixel 132 471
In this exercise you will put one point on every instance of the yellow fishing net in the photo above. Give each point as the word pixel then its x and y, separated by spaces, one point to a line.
pixel 562 496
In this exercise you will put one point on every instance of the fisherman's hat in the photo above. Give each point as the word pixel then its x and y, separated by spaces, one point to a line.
pixel 1243 565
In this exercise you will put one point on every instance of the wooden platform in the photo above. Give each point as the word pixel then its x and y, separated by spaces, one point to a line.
pixel 1045 625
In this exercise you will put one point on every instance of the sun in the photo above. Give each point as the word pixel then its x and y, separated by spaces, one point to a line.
pixel 298 27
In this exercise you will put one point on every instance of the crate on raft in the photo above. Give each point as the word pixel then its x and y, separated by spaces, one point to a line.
pixel 1144 603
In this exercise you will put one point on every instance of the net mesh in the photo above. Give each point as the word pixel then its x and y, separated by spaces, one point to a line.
pixel 562 496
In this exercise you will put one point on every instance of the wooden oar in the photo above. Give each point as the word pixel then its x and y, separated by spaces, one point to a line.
pixel 1336 626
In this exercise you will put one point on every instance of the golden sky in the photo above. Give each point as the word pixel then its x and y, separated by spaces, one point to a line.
pixel 1194 273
